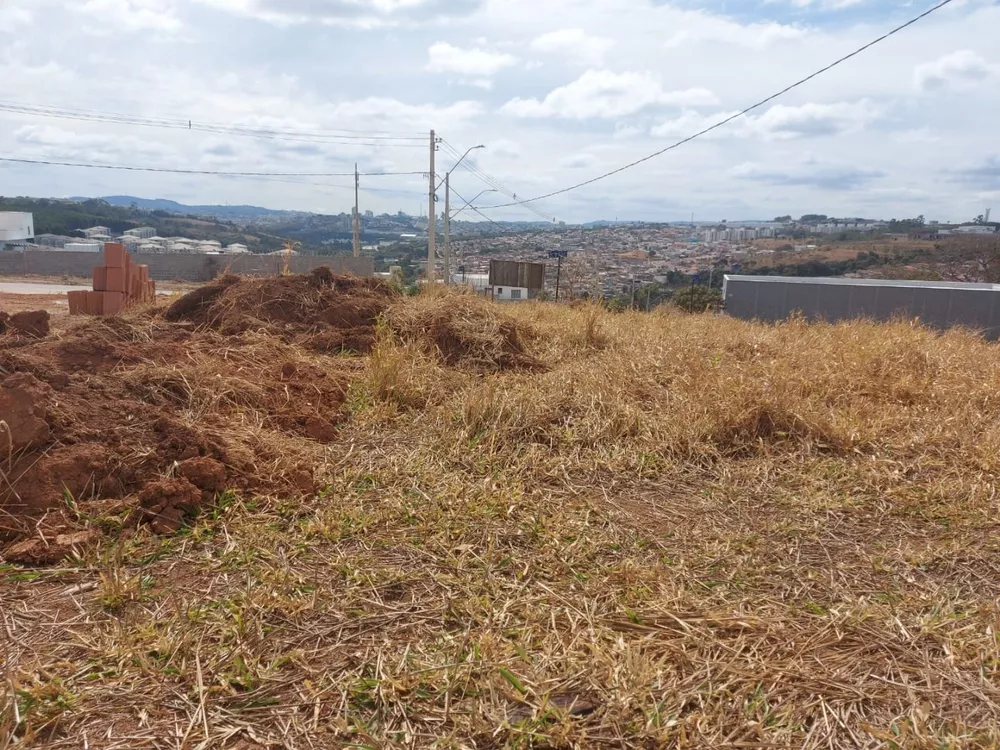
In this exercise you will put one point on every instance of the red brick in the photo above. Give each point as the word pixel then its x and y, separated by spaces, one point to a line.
pixel 114 255
pixel 115 280
pixel 77 302
pixel 100 279
pixel 112 303
pixel 95 303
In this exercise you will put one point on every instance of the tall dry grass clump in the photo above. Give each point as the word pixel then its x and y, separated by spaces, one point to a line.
pixel 547 526
pixel 465 331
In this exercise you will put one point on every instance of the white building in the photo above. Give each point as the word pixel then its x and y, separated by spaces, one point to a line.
pixel 93 232
pixel 16 228
pixel 83 247
pixel 510 293
pixel 237 249
pixel 142 233
pixel 478 281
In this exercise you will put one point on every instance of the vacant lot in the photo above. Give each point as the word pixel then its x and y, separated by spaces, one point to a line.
pixel 526 526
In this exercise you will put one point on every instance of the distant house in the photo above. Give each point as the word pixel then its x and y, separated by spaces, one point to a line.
pixel 54 240
pixel 142 233
pixel 96 233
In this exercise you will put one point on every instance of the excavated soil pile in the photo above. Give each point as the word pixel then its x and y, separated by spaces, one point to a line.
pixel 34 323
pixel 135 420
pixel 465 331
pixel 322 311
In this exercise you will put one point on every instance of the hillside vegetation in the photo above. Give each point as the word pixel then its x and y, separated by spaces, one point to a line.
pixel 549 527
pixel 66 217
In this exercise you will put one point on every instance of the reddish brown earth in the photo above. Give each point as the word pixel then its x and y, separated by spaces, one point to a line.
pixel 323 311
pixel 32 323
pixel 146 417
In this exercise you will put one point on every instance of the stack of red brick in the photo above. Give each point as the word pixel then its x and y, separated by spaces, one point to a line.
pixel 118 284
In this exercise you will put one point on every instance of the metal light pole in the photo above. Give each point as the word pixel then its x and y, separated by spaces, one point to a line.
pixel 447 218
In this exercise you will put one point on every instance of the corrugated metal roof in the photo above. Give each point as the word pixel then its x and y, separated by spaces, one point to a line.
pixel 865 282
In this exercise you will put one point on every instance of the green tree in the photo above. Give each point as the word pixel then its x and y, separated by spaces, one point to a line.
pixel 698 299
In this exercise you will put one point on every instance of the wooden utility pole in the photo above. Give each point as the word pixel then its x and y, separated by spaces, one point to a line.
pixel 447 229
pixel 357 214
pixel 431 211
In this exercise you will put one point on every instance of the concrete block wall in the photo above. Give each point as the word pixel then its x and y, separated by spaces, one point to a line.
pixel 177 267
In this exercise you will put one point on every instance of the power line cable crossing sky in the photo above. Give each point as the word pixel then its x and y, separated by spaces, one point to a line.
pixel 731 118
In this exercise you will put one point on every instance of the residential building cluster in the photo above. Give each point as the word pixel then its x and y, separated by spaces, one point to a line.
pixel 138 240
pixel 606 261
pixel 737 234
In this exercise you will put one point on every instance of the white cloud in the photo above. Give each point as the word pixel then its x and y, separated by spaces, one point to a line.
pixel 13 17
pixel 688 123
pixel 812 120
pixel 833 177
pixel 358 13
pixel 130 15
pixel 825 4
pixel 781 122
pixel 756 35
pixel 578 161
pixel 49 141
pixel 574 44
pixel 504 149
pixel 445 58
pixel 602 93
pixel 960 69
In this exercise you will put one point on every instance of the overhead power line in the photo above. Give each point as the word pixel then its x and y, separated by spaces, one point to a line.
pixel 491 181
pixel 336 136
pixel 123 167
pixel 736 116
pixel 473 208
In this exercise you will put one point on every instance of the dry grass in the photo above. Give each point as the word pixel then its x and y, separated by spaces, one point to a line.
pixel 680 531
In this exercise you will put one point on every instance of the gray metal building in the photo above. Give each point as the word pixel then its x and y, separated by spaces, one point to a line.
pixel 939 304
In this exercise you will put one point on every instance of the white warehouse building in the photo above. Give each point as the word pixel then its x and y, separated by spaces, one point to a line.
pixel 16 228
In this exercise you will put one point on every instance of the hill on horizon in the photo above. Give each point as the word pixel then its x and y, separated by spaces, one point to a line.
pixel 216 211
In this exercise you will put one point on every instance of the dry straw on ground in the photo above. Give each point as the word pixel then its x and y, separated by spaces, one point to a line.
pixel 669 531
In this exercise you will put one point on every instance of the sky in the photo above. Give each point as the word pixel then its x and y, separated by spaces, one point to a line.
pixel 558 92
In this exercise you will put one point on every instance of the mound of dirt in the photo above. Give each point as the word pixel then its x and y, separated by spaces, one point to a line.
pixel 33 323
pixel 465 331
pixel 145 417
pixel 322 311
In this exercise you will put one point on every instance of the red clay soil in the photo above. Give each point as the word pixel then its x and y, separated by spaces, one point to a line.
pixel 32 323
pixel 323 311
pixel 97 419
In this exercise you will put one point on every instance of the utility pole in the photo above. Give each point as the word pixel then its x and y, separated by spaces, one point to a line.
pixel 431 211
pixel 447 229
pixel 559 255
pixel 633 291
pixel 357 214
